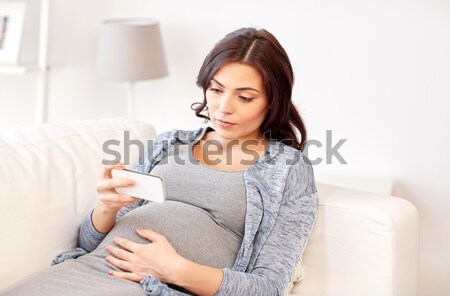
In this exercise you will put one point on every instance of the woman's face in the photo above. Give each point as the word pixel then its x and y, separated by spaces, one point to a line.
pixel 237 102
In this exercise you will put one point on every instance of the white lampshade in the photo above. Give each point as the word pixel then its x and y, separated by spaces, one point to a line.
pixel 130 50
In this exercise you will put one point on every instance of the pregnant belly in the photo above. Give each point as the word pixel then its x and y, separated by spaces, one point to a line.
pixel 192 231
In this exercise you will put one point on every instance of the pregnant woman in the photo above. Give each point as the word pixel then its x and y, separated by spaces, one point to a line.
pixel 241 198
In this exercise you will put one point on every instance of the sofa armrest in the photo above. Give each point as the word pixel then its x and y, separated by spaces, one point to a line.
pixel 362 244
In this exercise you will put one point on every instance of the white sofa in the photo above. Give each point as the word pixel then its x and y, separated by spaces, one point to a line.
pixel 362 244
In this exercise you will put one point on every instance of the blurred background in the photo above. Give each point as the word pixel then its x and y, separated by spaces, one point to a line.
pixel 374 74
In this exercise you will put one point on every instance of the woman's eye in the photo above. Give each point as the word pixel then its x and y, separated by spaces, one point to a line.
pixel 246 99
pixel 214 90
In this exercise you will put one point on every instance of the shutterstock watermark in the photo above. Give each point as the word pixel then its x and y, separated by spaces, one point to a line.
pixel 330 149
pixel 213 149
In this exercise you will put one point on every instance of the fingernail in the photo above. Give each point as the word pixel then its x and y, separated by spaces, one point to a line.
pixel 111 272
pixel 130 182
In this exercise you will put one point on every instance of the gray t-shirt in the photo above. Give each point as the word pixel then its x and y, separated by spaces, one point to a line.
pixel 200 200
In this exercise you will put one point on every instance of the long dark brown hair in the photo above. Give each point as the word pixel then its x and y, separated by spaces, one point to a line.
pixel 261 50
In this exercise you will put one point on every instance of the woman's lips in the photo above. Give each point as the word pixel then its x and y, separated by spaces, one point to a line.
pixel 224 123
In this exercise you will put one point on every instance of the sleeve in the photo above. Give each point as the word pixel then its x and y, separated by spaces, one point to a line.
pixel 88 237
pixel 154 287
pixel 286 242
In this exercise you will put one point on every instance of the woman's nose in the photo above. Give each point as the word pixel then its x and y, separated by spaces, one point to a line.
pixel 226 104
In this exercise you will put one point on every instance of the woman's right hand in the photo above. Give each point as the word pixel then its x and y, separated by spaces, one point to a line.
pixel 109 199
pixel 110 202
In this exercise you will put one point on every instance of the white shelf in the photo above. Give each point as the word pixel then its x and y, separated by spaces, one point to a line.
pixel 19 69
pixel 41 67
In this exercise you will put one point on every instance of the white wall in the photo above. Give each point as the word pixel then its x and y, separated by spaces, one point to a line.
pixel 376 73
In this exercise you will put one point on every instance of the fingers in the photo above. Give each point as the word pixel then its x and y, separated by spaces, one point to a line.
pixel 110 197
pixel 127 276
pixel 114 198
pixel 110 184
pixel 107 170
pixel 121 259
pixel 122 264
pixel 127 245
pixel 149 234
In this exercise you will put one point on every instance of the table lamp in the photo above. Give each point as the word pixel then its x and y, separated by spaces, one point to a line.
pixel 130 50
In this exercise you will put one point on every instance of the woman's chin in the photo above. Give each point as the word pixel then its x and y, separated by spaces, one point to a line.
pixel 226 134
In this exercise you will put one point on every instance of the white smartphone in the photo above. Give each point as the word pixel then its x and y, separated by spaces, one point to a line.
pixel 145 186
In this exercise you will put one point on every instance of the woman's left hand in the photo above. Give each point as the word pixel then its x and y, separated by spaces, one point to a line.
pixel 157 258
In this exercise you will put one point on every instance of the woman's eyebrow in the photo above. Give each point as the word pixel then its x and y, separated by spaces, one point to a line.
pixel 241 88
